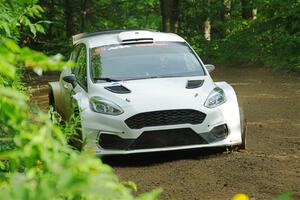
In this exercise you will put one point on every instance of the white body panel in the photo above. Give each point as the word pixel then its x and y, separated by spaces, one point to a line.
pixel 166 97
pixel 152 95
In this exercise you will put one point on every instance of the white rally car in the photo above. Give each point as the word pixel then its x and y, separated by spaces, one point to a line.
pixel 145 91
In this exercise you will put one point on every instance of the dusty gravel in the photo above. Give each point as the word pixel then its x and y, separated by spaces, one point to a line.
pixel 270 165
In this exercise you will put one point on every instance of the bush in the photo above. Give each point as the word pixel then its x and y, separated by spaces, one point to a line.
pixel 36 161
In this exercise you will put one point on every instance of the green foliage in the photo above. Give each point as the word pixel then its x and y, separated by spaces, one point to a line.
pixel 36 161
pixel 272 40
pixel 91 16
pixel 42 165
pixel 285 196
pixel 16 15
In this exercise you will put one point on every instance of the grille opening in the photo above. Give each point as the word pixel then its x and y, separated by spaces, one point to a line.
pixel 153 139
pixel 109 141
pixel 165 117
pixel 167 138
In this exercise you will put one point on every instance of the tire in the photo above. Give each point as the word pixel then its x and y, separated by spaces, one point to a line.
pixel 54 115
pixel 243 129
pixel 51 99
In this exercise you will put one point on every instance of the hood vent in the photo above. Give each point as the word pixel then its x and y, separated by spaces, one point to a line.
pixel 120 89
pixel 192 84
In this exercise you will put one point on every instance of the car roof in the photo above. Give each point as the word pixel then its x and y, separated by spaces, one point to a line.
pixel 124 37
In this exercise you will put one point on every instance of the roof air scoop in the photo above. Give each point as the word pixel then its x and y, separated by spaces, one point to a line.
pixel 135 37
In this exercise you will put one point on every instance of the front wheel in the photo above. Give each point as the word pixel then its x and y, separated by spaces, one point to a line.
pixel 243 129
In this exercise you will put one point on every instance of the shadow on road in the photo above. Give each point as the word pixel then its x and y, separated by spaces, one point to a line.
pixel 146 159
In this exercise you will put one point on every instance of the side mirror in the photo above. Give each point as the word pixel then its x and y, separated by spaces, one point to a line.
pixel 210 67
pixel 70 79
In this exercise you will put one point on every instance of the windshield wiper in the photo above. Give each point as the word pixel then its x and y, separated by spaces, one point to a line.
pixel 153 77
pixel 166 76
pixel 106 79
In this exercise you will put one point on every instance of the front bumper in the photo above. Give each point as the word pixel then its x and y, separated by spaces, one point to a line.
pixel 95 124
pixel 125 140
pixel 104 152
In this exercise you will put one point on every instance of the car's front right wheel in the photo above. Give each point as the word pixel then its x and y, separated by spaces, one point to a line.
pixel 243 129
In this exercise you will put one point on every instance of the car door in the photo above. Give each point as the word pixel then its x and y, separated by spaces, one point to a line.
pixel 80 71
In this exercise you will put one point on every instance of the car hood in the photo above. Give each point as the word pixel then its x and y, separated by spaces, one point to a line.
pixel 157 94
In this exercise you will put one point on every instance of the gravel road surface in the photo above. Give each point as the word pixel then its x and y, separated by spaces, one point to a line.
pixel 270 165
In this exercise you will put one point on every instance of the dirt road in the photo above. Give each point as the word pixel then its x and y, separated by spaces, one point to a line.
pixel 270 165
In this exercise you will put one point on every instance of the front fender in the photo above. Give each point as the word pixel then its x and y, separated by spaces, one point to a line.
pixel 231 112
pixel 229 92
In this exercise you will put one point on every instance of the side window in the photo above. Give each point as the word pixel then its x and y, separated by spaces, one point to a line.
pixel 80 69
pixel 73 58
pixel 74 54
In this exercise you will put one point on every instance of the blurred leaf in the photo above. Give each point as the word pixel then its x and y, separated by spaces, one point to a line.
pixel 285 196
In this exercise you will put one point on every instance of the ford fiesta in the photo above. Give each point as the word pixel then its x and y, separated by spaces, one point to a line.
pixel 144 91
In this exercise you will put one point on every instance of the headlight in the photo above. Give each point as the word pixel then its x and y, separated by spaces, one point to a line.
pixel 103 106
pixel 215 98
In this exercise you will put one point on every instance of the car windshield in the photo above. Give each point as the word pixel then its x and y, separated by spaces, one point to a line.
pixel 144 60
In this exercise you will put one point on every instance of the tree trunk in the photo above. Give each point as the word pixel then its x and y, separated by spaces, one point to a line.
pixel 175 16
pixel 225 16
pixel 248 10
pixel 51 13
pixel 254 13
pixel 226 7
pixel 83 15
pixel 48 7
pixel 207 24
pixel 68 17
pixel 207 29
pixel 170 15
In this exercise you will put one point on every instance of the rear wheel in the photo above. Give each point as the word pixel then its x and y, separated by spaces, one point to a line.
pixel 51 99
pixel 54 115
